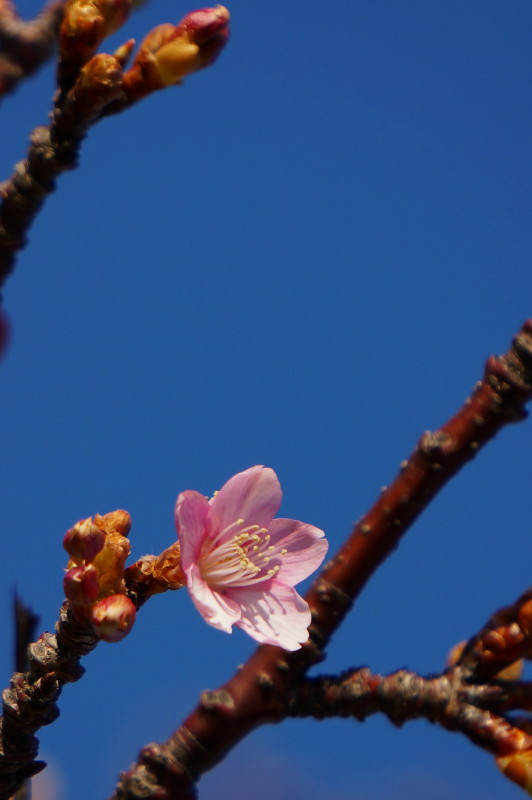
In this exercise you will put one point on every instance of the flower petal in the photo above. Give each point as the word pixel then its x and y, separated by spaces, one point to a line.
pixel 192 513
pixel 218 610
pixel 276 616
pixel 253 495
pixel 306 548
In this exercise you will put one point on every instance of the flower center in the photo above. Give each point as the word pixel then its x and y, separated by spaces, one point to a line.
pixel 240 558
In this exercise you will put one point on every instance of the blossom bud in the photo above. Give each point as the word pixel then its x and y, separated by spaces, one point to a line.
pixel 455 653
pixel 171 52
pixel 113 617
pixel 518 768
pixel 524 617
pixel 118 521
pixel 99 84
pixel 81 585
pixel 111 561
pixel 84 541
pixel 85 24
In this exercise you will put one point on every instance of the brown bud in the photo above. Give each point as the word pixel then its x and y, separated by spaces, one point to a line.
pixel 118 521
pixel 455 653
pixel 99 84
pixel 524 618
pixel 85 24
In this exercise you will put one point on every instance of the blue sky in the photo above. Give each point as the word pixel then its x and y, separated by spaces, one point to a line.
pixel 301 258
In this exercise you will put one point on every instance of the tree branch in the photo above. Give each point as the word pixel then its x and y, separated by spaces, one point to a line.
pixel 30 702
pixel 258 693
pixel 26 45
pixel 92 84
pixel 53 150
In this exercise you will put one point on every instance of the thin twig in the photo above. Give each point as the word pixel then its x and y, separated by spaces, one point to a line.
pixel 53 150
pixel 26 45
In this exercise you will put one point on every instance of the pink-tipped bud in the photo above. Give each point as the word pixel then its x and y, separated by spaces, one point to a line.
pixel 84 541
pixel 113 617
pixel 81 585
pixel 205 25
pixel 194 44
pixel 171 52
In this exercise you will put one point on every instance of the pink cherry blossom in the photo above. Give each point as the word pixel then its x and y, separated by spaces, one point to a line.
pixel 241 564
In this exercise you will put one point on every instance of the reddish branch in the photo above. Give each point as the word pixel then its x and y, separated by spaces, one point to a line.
pixel 25 45
pixel 259 692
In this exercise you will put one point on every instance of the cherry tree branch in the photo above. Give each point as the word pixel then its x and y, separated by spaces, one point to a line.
pixel 258 693
pixel 403 696
pixel 26 45
pixel 53 150
pixel 267 687
pixel 31 700
pixel 470 697
pixel 91 85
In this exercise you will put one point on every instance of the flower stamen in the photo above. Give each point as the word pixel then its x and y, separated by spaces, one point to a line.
pixel 239 559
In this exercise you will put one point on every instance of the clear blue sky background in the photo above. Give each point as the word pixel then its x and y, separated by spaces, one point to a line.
pixel 301 258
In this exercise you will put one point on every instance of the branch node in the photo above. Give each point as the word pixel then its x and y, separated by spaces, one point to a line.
pixel 216 701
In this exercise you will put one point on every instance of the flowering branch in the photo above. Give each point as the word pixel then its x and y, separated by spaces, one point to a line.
pixel 259 692
pixel 26 45
pixel 96 608
pixel 92 85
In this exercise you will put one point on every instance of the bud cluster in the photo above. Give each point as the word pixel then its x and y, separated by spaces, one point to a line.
pixel 94 581
pixel 167 54
pixel 171 52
